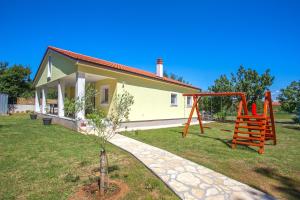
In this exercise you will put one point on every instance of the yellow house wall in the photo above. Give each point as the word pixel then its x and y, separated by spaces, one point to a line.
pixel 111 83
pixel 61 67
pixel 151 103
pixel 70 92
pixel 152 98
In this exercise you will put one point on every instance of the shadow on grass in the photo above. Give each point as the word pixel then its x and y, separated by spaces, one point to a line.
pixel 226 142
pixel 290 187
pixel 113 168
pixel 110 168
pixel 284 122
pixel 295 127
pixel 7 126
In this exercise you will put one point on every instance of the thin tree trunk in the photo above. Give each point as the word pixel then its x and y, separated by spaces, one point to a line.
pixel 102 171
pixel 107 168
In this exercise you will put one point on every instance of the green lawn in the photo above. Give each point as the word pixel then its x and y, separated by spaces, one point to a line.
pixel 50 162
pixel 276 172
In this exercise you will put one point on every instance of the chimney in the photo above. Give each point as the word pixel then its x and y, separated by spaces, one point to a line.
pixel 159 68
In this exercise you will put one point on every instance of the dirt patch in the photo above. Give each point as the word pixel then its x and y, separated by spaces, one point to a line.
pixel 116 190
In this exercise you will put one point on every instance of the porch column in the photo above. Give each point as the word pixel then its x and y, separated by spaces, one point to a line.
pixel 80 93
pixel 44 100
pixel 37 101
pixel 60 98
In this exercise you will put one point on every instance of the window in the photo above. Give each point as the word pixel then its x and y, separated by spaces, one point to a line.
pixel 173 99
pixel 49 67
pixel 104 95
pixel 188 101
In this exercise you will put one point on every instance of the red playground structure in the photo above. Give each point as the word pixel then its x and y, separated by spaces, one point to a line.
pixel 249 130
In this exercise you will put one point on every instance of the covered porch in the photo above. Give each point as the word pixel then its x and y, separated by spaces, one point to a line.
pixel 50 98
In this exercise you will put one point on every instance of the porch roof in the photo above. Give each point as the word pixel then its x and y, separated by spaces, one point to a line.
pixel 116 66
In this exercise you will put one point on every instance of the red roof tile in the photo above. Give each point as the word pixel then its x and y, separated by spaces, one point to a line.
pixel 117 66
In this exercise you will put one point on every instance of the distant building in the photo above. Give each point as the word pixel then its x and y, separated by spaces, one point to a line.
pixel 276 103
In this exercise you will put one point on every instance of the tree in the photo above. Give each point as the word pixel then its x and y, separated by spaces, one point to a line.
pixel 175 77
pixel 297 117
pixel 289 97
pixel 222 84
pixel 105 127
pixel 3 67
pixel 15 80
pixel 253 84
pixel 244 80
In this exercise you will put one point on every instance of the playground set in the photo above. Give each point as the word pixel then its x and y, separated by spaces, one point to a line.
pixel 250 129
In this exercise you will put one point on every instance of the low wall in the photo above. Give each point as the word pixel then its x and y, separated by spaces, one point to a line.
pixel 25 101
pixel 126 126
pixel 20 108
pixel 64 121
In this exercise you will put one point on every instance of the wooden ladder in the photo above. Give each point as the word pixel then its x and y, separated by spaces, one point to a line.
pixel 270 132
pixel 250 131
pixel 254 130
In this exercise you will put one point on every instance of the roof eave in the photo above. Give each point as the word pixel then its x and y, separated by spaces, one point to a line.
pixel 137 74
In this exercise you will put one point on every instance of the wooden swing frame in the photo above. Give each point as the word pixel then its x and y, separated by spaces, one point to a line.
pixel 259 128
pixel 196 98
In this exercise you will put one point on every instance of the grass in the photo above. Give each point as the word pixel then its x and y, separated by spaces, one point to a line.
pixel 276 172
pixel 51 162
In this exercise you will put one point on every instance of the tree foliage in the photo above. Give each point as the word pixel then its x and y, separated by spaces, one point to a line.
pixel 106 126
pixel 244 80
pixel 220 104
pixel 15 80
pixel 297 117
pixel 289 97
pixel 175 77
pixel 251 82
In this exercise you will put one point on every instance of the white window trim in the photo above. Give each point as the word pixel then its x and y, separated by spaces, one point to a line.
pixel 102 88
pixel 176 103
pixel 191 102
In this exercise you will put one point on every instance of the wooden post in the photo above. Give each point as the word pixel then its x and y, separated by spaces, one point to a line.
pixel 186 128
pixel 268 96
pixel 244 103
pixel 195 106
pixel 239 112
pixel 198 114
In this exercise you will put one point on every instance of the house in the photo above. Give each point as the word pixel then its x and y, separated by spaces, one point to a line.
pixel 157 99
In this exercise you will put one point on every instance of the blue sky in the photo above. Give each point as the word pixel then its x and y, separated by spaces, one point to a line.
pixel 199 40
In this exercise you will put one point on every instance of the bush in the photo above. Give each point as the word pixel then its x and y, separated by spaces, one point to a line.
pixel 296 119
pixel 220 116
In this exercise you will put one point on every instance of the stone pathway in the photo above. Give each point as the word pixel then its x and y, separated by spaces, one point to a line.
pixel 188 179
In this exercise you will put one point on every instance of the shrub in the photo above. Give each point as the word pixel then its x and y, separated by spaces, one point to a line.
pixel 220 116
pixel 296 119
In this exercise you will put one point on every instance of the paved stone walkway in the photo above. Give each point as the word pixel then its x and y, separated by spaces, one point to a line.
pixel 188 179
